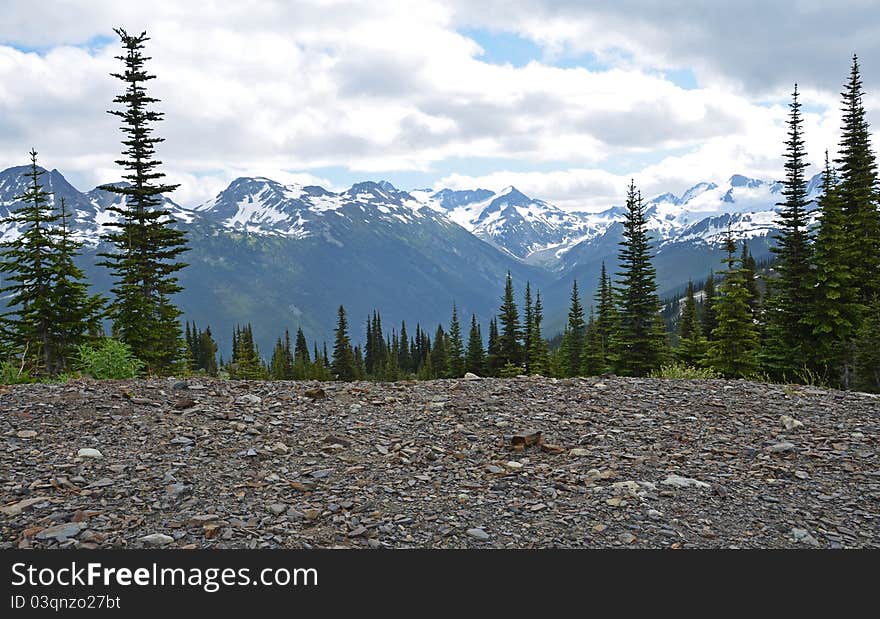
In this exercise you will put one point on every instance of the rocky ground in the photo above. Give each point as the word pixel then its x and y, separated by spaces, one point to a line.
pixel 455 463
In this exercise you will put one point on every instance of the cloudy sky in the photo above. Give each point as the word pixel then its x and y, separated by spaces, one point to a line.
pixel 566 99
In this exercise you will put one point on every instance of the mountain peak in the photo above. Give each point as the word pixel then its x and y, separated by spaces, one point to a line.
pixel 738 180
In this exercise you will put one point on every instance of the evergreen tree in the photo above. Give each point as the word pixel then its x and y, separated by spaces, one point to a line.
pixel 207 353
pixel 456 367
pixel 144 261
pixel 732 351
pixel 857 190
pixel 691 343
pixel 493 350
pixel 28 260
pixel 834 309
pixel 51 310
pixel 77 314
pixel 538 355
pixel 359 369
pixel 246 362
pixel 750 269
pixel 404 361
pixel 476 357
pixel 301 347
pixel 787 334
pixel 606 319
pixel 509 345
pixel 708 320
pixel 639 340
pixel 439 356
pixel 278 362
pixel 529 320
pixel 574 334
pixel 343 357
pixel 593 362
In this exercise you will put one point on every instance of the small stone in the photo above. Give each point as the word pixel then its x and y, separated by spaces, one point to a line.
pixel 26 433
pixel 184 403
pixel 357 532
pixel 579 452
pixel 790 423
pixel 176 490
pixel 471 376
pixel 653 514
pixel 627 488
pixel 61 532
pixel 677 481
pixel 801 474
pixel 627 538
pixel 157 539
pixel 180 385
pixel 16 508
pixel 479 534
pixel 599 528
pixel 277 508
pixel 526 438
pixel 494 469
pixel 514 465
pixel 781 447
pixel 802 536
pixel 280 448
pixel 249 399
pixel 321 474
pixel 88 452
pixel 311 513
pixel 181 440
pixel 315 394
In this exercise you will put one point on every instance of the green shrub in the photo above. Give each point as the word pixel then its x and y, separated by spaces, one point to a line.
pixel 13 373
pixel 109 359
pixel 511 371
pixel 682 371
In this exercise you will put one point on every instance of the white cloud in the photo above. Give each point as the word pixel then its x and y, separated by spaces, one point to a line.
pixel 282 89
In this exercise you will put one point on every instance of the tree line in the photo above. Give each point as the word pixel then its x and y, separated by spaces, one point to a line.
pixel 812 316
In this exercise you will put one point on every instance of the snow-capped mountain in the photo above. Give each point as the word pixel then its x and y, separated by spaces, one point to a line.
pixel 89 211
pixel 263 248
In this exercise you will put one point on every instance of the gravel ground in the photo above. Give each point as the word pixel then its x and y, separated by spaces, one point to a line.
pixel 619 462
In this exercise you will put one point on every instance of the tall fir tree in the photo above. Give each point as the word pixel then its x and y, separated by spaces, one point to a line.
pixel 476 357
pixel 28 260
pixel 538 355
pixel 732 352
pixel 439 355
pixel 834 309
pixel 857 189
pixel 144 261
pixel 343 357
pixel 639 341
pixel 787 334
pixel 528 325
pixel 456 347
pixel 509 342
pixel 573 342
pixel 606 316
pixel 494 361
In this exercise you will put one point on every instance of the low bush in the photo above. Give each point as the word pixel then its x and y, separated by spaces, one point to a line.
pixel 109 359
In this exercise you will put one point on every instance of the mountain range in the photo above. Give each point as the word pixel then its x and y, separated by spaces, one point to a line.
pixel 281 256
